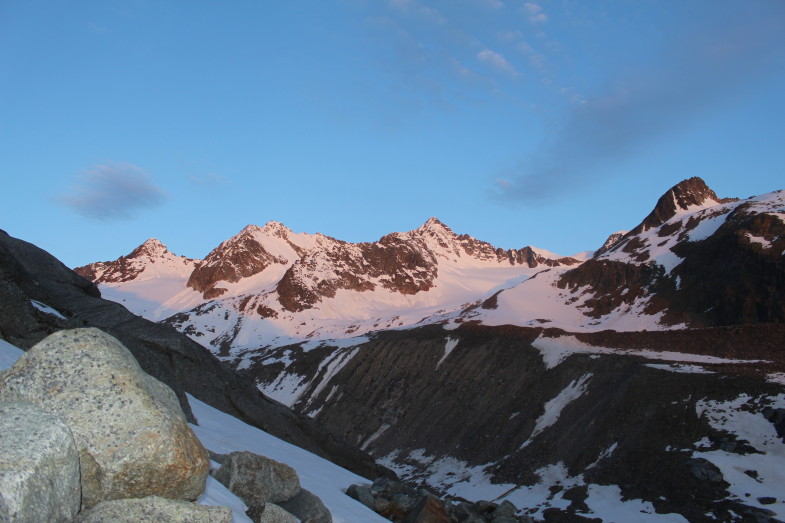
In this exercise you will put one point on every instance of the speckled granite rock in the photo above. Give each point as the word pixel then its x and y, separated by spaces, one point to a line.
pixel 257 479
pixel 132 437
pixel 152 509
pixel 39 466
pixel 270 513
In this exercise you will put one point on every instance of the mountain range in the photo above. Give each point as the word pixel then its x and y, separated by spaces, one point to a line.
pixel 640 382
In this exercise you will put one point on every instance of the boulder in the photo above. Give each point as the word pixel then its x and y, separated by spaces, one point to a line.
pixel 428 510
pixel 705 470
pixel 506 509
pixel 39 466
pixel 307 507
pixel 132 437
pixel 153 508
pixel 463 513
pixel 269 513
pixel 483 507
pixel 257 479
pixel 362 493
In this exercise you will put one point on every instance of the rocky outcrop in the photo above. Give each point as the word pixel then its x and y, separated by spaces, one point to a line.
pixel 39 466
pixel 131 435
pixel 692 192
pixel 154 508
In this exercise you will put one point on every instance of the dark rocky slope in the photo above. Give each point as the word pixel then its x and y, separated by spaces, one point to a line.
pixel 481 404
pixel 29 273
pixel 735 276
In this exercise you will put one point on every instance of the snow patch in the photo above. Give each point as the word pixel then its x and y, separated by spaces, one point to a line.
pixel 738 418
pixel 286 389
pixel 759 240
pixel 555 406
pixel 217 495
pixel 776 377
pixel 556 350
pixel 8 354
pixel 448 348
pixel 381 430
pixel 43 307
pixel 684 369
pixel 222 433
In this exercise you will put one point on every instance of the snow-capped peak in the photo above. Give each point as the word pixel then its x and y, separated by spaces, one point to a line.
pixel 433 224
pixel 151 248
pixel 688 195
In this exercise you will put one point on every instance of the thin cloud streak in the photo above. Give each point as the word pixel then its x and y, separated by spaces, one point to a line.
pixel 113 191
pixel 634 112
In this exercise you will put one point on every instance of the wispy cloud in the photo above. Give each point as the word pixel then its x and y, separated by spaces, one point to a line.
pixel 707 68
pixel 497 61
pixel 112 191
pixel 535 13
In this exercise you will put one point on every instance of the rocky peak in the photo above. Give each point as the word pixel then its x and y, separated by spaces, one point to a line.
pixel 132 265
pixel 612 240
pixel 433 225
pixel 151 248
pixel 274 228
pixel 682 196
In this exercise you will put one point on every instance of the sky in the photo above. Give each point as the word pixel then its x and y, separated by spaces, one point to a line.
pixel 544 123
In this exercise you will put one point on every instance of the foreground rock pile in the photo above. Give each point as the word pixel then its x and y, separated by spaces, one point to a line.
pixel 271 489
pixel 87 436
pixel 401 503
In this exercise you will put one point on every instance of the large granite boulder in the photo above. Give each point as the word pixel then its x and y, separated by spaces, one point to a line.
pixel 154 508
pixel 132 437
pixel 257 479
pixel 39 466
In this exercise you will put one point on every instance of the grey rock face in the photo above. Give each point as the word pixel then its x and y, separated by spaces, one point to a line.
pixel 39 466
pixel 153 508
pixel 132 439
pixel 270 513
pixel 257 479
pixel 308 507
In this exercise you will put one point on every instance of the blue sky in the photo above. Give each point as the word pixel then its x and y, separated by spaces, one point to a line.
pixel 546 123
